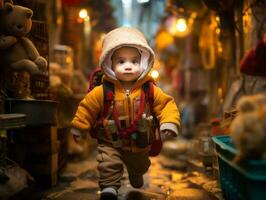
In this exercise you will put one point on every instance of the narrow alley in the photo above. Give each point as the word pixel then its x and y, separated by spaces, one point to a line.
pixel 167 179
pixel 132 99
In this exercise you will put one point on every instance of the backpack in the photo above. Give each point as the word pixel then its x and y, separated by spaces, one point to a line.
pixel 147 93
pixel 95 78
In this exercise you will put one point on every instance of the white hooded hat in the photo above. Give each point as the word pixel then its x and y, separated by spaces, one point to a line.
pixel 125 36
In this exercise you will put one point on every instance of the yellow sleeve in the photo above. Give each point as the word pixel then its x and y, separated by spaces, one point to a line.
pixel 165 108
pixel 88 109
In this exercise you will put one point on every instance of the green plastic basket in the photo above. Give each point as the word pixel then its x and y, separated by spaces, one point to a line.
pixel 239 182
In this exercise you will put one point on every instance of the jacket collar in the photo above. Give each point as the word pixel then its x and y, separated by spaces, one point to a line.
pixel 137 84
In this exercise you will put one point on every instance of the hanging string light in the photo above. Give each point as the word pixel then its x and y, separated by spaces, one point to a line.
pixel 179 25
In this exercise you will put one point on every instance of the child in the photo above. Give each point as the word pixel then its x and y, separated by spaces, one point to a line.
pixel 126 60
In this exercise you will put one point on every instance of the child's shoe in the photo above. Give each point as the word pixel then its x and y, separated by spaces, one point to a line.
pixel 136 181
pixel 108 193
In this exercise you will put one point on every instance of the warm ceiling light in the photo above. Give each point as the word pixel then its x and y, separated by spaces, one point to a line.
pixel 126 3
pixel 83 13
pixel 181 25
pixel 143 1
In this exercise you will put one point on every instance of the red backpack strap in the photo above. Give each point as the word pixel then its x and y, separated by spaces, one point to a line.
pixel 156 146
pixel 108 97
pixel 149 93
pixel 146 93
pixel 125 133
pixel 95 78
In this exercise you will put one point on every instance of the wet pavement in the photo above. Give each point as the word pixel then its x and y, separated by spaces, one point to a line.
pixel 167 179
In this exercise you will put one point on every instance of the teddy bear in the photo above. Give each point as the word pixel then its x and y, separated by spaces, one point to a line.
pixel 17 51
pixel 19 58
pixel 248 129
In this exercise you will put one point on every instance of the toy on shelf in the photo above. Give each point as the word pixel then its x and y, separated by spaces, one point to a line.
pixel 19 57
pixel 248 129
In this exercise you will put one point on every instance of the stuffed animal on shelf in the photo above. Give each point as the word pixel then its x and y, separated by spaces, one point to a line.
pixel 17 51
pixel 18 54
pixel 248 129
pixel 4 1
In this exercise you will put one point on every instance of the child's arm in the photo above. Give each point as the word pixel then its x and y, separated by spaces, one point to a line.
pixel 7 41
pixel 87 112
pixel 77 134
pixel 167 113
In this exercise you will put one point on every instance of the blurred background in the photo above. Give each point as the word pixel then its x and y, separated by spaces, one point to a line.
pixel 199 47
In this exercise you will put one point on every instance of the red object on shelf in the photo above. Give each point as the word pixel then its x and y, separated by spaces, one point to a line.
pixel 254 62
pixel 215 127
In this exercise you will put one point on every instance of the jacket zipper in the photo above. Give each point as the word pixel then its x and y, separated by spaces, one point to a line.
pixel 129 105
pixel 129 116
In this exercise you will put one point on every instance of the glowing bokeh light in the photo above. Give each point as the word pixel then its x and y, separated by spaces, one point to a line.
pixel 83 13
pixel 181 25
pixel 154 74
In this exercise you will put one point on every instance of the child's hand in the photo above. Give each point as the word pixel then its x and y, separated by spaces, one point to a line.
pixel 77 138
pixel 77 134
pixel 167 134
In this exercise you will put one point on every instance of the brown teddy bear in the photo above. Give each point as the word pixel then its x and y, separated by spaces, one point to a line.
pixel 248 129
pixel 16 50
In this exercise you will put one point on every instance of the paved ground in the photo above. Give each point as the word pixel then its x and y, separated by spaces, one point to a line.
pixel 167 179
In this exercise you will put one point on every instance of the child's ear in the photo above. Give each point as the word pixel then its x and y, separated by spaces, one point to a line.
pixel 112 66
pixel 112 63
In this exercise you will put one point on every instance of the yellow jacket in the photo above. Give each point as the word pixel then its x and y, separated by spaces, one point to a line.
pixel 126 103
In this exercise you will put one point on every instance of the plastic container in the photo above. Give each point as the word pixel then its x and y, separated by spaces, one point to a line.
pixel 247 182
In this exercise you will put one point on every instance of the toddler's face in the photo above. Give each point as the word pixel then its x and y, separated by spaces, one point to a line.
pixel 126 63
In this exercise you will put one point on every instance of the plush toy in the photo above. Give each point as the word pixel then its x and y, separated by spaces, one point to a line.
pixel 16 50
pixel 4 1
pixel 251 103
pixel 248 129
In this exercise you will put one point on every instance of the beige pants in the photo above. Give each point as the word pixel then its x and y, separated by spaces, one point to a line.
pixel 110 165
